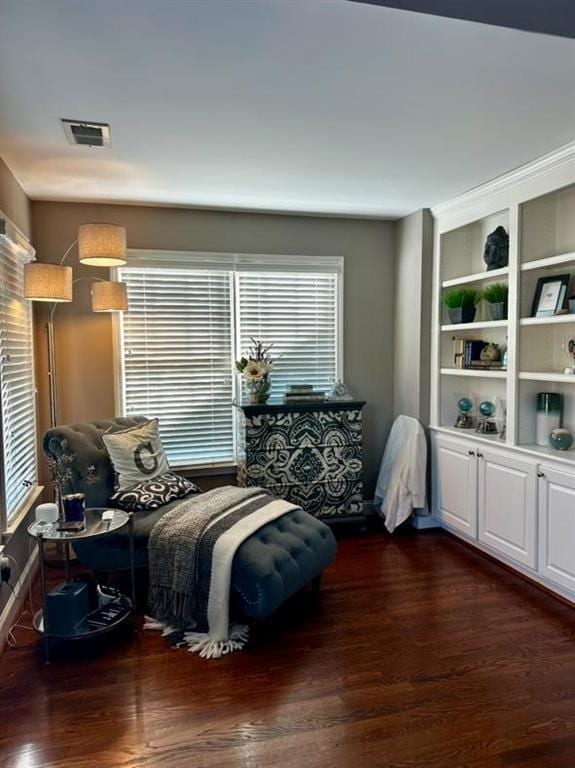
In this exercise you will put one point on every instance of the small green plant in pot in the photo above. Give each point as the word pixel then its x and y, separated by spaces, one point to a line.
pixel 461 304
pixel 496 297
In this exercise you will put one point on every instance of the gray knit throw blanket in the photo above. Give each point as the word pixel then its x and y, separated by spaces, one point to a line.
pixel 191 550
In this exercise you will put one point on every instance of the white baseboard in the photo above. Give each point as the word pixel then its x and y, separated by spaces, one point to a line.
pixel 12 609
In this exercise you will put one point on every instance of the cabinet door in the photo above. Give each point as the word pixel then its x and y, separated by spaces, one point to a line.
pixel 455 481
pixel 507 505
pixel 557 527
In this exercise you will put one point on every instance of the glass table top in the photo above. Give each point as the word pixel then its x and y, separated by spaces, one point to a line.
pixel 95 526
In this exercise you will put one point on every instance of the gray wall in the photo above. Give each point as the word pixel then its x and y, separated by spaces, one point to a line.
pixel 84 340
pixel 412 345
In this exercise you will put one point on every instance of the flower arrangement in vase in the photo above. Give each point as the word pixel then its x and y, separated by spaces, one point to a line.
pixel 256 366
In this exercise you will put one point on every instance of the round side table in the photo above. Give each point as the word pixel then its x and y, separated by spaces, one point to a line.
pixel 95 527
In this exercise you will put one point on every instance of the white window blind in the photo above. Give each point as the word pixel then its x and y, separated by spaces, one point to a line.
pixel 177 358
pixel 17 381
pixel 191 315
pixel 298 312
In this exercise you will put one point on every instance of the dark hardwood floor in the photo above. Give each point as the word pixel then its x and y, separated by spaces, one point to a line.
pixel 418 652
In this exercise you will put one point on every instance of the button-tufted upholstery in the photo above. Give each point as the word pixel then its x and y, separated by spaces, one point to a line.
pixel 278 560
pixel 80 453
pixel 268 568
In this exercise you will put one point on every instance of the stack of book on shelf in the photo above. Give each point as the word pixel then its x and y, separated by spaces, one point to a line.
pixel 303 393
pixel 467 354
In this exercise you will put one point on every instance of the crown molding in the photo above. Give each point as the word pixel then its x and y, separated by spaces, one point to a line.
pixel 559 158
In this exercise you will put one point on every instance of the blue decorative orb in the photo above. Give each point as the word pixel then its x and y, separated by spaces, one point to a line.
pixel 561 439
pixel 486 409
pixel 465 405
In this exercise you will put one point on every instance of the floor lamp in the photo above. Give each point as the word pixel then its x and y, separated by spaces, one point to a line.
pixel 99 245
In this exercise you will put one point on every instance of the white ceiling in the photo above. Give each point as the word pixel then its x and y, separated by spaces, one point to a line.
pixel 320 106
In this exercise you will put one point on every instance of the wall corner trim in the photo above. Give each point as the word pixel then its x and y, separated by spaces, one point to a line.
pixel 10 231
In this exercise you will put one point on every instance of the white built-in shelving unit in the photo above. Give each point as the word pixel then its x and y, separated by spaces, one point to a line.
pixel 510 497
pixel 540 221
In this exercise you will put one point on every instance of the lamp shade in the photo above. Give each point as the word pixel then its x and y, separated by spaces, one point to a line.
pixel 102 245
pixel 47 282
pixel 108 296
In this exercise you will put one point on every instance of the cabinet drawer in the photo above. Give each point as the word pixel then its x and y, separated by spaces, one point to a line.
pixel 329 499
pixel 304 465
pixel 277 431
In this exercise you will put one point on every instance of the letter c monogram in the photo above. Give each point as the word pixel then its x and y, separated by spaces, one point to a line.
pixel 139 462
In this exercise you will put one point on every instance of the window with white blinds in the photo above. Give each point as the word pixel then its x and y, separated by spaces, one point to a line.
pixel 17 382
pixel 192 315
pixel 177 358
pixel 298 312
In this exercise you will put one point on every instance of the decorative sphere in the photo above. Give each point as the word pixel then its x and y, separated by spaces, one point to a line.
pixel 486 408
pixel 465 405
pixel 561 439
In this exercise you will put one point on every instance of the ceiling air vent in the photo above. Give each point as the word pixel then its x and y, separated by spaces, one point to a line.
pixel 87 134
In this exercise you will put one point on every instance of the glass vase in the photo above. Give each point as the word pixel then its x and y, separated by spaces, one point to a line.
pixel 258 390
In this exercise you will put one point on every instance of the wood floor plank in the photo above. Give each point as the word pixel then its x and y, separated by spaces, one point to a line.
pixel 419 652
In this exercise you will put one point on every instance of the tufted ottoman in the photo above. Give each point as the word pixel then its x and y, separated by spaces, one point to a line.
pixel 269 567
pixel 279 560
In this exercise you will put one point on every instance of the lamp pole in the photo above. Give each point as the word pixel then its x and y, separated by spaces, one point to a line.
pixel 52 383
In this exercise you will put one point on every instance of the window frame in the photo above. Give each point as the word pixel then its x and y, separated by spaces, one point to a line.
pixel 234 263
pixel 17 241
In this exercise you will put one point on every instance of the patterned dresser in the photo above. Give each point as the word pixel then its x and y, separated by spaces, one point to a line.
pixel 310 454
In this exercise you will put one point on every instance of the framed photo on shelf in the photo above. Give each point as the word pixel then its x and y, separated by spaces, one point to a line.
pixel 549 295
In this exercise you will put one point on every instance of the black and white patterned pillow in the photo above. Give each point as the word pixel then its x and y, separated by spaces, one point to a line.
pixel 153 494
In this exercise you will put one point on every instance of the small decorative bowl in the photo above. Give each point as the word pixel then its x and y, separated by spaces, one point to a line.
pixel 561 439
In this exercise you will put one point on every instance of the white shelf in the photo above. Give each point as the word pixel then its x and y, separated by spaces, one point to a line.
pixel 477 326
pixel 560 378
pixel 550 261
pixel 540 452
pixel 478 277
pixel 552 320
pixel 490 374
pixel 546 452
pixel 494 439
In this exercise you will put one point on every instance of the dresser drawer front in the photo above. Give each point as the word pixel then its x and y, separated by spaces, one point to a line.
pixel 269 432
pixel 304 465
pixel 330 499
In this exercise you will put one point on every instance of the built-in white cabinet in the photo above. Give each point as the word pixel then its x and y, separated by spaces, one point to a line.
pixel 507 488
pixel 498 488
pixel 509 504
pixel 557 527
pixel 487 495
pixel 456 487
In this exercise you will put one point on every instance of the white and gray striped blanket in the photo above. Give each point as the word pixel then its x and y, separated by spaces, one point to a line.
pixel 191 551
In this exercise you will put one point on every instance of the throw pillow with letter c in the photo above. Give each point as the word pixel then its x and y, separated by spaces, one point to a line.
pixel 137 454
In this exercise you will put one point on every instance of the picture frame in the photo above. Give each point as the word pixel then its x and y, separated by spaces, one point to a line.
pixel 549 295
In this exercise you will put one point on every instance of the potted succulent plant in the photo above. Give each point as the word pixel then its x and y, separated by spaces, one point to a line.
pixel 496 297
pixel 461 304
